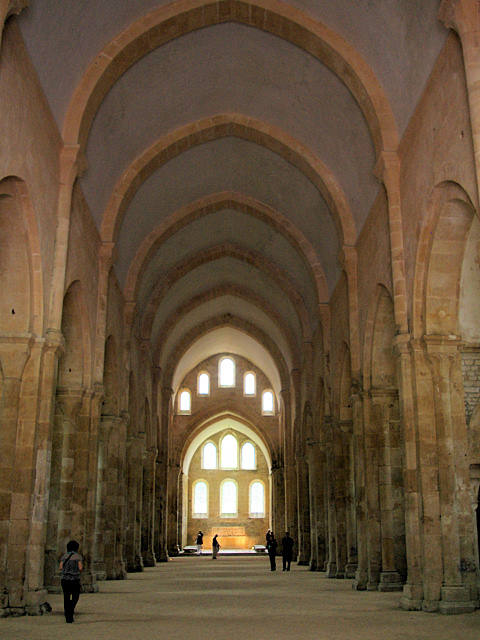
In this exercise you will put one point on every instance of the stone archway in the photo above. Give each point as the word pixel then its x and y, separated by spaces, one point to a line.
pixel 245 529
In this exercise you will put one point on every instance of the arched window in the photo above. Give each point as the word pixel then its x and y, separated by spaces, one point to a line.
pixel 209 456
pixel 203 384
pixel 228 499
pixel 229 452
pixel 185 402
pixel 226 373
pixel 200 500
pixel 257 500
pixel 249 384
pixel 267 403
pixel 248 456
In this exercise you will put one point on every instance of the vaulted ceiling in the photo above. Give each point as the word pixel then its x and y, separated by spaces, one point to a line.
pixel 230 151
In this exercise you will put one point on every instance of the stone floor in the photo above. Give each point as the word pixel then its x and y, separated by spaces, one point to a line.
pixel 237 598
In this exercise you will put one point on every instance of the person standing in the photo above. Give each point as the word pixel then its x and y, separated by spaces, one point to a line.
pixel 272 551
pixel 215 547
pixel 71 566
pixel 199 542
pixel 287 551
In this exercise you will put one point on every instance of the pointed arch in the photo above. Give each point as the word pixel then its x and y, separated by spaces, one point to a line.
pixel 215 202
pixel 184 16
pixel 439 260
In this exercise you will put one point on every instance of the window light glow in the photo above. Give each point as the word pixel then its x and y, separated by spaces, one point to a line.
pixel 248 456
pixel 227 373
pixel 229 453
pixel 209 456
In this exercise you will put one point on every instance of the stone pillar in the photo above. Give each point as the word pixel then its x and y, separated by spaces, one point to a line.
pixel 373 424
pixel 316 464
pixel 288 462
pixel 453 478
pixel 148 517
pixel 390 579
pixel 17 463
pixel 173 514
pixel 277 504
pixel 134 501
pixel 114 499
pixel 331 564
pixel 351 521
pixel 163 399
pixel 303 543
pixel 358 445
pixel 42 376
pixel 60 528
pixel 412 597
pixel 99 567
pixel 339 492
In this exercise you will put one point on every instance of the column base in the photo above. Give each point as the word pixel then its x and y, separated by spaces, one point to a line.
pixel 100 570
pixel 455 600
pixel 331 570
pixel 390 581
pixel 89 582
pixel 360 581
pixel 149 559
pixel 412 598
pixel 162 556
pixel 350 571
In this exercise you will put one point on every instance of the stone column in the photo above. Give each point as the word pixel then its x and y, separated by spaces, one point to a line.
pixel 277 504
pixel 373 424
pixel 163 400
pixel 303 542
pixel 173 515
pixel 390 579
pixel 331 564
pixel 412 597
pixel 148 518
pixel 43 377
pixel 114 499
pixel 339 492
pixel 453 477
pixel 16 478
pixel 316 464
pixel 99 567
pixel 288 462
pixel 133 499
pixel 351 521
pixel 60 527
pixel 358 445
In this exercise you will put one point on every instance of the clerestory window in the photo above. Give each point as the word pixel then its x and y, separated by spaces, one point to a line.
pixel 185 403
pixel 267 403
pixel 203 384
pixel 200 500
pixel 249 384
pixel 226 373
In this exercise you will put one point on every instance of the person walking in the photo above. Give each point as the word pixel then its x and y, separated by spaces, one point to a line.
pixel 215 547
pixel 71 566
pixel 287 551
pixel 272 551
pixel 199 542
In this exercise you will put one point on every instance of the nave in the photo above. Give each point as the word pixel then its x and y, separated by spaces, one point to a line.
pixel 237 598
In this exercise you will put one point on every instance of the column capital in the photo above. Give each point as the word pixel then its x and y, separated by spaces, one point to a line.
pixel 12 8
pixel 15 350
pixel 347 256
pixel 387 169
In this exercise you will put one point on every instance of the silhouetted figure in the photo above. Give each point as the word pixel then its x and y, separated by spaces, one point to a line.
pixel 71 566
pixel 199 542
pixel 272 551
pixel 267 537
pixel 287 551
pixel 215 547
